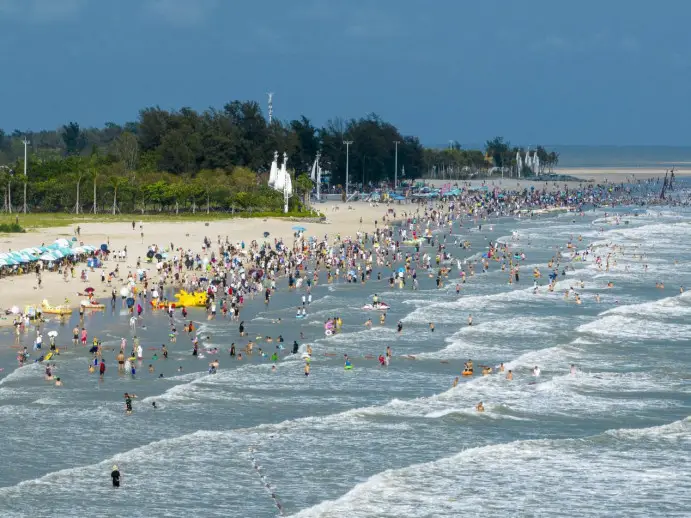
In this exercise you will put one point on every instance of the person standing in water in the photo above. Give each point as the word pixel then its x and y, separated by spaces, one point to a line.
pixel 128 402
pixel 115 476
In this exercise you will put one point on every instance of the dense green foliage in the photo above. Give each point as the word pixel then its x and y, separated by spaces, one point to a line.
pixel 11 228
pixel 170 161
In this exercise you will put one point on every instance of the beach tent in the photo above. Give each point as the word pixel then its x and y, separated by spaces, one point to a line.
pixel 62 243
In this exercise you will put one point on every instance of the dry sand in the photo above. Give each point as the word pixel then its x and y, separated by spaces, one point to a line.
pixel 620 174
pixel 23 290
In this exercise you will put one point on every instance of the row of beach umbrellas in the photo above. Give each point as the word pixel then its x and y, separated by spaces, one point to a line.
pixel 59 249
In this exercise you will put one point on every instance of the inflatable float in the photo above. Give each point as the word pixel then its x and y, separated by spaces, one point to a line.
pixel 467 373
pixel 55 310
pixel 87 304
pixel 379 306
pixel 162 305
pixel 191 299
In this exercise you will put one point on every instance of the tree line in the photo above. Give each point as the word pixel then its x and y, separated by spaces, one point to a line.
pixel 217 159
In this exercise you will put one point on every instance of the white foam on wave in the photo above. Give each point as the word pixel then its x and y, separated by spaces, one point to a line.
pixel 489 339
pixel 676 306
pixel 450 312
pixel 617 326
pixel 30 370
pixel 621 479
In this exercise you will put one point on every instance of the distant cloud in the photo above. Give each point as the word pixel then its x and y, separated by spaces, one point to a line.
pixel 180 12
pixel 44 11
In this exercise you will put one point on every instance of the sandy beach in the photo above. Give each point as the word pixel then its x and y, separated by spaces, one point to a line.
pixel 620 174
pixel 23 290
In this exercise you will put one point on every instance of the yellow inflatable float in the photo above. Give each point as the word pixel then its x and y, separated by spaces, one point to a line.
pixel 197 298
pixel 55 310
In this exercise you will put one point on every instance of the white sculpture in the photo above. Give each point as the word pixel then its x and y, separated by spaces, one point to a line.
pixel 274 170
pixel 281 177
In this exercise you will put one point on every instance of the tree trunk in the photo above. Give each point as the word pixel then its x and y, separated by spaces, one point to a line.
pixel 76 207
pixel 9 197
pixel 194 206
pixel 207 203
pixel 177 208
pixel 115 200
pixel 95 196
pixel 25 195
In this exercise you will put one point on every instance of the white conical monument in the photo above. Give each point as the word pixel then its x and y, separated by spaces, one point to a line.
pixel 281 176
pixel 274 170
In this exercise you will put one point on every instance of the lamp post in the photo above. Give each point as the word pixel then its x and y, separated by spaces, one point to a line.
pixel 26 143
pixel 347 145
pixel 395 173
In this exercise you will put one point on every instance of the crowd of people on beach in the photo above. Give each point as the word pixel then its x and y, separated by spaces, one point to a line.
pixel 409 241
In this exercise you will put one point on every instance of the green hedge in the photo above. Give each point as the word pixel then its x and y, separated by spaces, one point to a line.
pixel 13 228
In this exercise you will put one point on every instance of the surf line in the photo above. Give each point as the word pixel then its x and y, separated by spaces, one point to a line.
pixel 267 486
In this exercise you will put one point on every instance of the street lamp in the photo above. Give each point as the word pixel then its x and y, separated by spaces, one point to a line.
pixel 395 174
pixel 347 145
pixel 26 143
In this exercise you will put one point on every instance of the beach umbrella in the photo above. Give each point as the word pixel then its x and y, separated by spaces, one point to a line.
pixel 89 248
pixel 158 256
pixel 74 239
pixel 298 228
pixel 47 257
pixel 62 242
pixel 52 334
pixel 150 254
pixel 266 234
pixel 89 290
pixel 104 247
pixel 130 302
pixel 124 291
pixel 154 294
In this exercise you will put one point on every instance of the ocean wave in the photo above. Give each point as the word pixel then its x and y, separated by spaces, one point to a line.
pixel 622 478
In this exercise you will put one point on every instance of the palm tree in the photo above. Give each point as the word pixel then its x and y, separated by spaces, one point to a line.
pixel 79 174
pixel 116 180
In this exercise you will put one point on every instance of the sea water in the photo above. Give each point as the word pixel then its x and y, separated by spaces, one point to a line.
pixel 612 440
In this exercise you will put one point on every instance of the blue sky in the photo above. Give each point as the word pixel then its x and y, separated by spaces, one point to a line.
pixel 535 71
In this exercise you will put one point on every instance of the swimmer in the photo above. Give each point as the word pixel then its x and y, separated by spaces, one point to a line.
pixel 431 327
pixel 480 407
pixel 573 370
pixel 468 366
pixel 536 371
pixel 509 375
pixel 470 320
pixel 455 381
pixel 501 367
pixel 58 382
